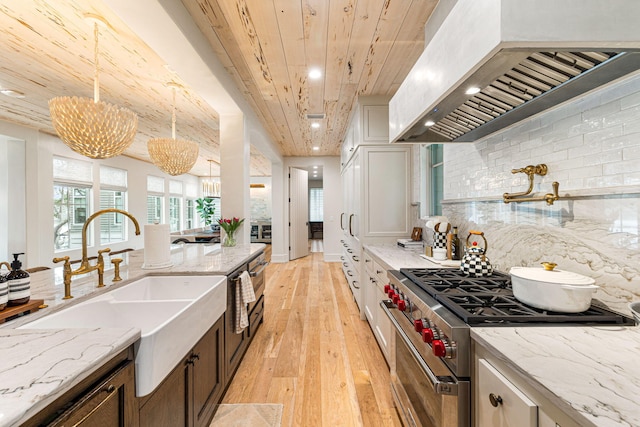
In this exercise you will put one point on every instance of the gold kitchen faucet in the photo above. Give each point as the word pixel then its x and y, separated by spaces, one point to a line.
pixel 85 267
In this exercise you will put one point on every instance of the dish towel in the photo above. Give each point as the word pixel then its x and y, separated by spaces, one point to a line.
pixel 244 295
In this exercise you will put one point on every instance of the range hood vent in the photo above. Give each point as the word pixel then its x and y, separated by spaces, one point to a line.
pixel 522 59
pixel 541 81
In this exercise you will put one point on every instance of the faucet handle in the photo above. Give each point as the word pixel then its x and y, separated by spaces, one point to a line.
pixel 64 258
pixel 105 250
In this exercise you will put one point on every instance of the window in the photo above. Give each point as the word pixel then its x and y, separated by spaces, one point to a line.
pixel 155 197
pixel 175 205
pixel 316 205
pixel 113 192
pixel 70 207
pixel 72 181
pixel 189 218
pixel 175 213
pixel 191 192
pixel 154 209
pixel 436 189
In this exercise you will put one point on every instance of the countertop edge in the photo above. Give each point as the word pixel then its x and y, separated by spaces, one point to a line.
pixel 122 338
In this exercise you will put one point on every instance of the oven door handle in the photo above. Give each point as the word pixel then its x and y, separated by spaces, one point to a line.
pixel 257 273
pixel 441 385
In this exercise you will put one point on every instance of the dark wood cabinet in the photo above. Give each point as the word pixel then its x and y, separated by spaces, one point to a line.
pixel 208 374
pixel 236 344
pixel 190 393
pixel 106 398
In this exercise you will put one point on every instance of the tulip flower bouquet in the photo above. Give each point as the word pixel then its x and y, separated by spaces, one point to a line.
pixel 230 226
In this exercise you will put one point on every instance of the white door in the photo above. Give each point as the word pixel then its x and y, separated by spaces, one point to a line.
pixel 298 213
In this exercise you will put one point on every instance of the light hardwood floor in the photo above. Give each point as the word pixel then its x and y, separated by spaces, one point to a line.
pixel 313 354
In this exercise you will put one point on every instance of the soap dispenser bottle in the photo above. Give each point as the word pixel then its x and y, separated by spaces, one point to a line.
pixel 4 287
pixel 19 283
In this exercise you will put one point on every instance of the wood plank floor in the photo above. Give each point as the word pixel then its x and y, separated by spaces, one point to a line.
pixel 313 354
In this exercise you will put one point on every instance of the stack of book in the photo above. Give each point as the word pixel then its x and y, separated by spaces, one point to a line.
pixel 410 244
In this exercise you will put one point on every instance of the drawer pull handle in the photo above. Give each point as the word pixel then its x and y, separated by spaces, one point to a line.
pixel 111 388
pixel 495 400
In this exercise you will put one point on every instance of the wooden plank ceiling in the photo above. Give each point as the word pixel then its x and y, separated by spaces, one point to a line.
pixel 363 47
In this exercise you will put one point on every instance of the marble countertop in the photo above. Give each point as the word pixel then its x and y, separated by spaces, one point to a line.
pixel 394 258
pixel 37 366
pixel 590 373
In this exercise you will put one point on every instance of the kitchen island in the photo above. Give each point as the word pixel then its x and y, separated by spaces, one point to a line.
pixel 38 366
pixel 588 375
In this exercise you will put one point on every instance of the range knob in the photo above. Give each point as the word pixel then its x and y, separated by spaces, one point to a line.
pixel 428 335
pixel 419 325
pixel 387 288
pixel 395 298
pixel 442 348
pixel 402 305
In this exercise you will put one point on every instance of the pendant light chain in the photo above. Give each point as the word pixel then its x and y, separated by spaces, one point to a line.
pixel 96 78
pixel 173 115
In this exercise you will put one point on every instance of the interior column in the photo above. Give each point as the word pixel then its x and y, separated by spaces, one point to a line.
pixel 235 156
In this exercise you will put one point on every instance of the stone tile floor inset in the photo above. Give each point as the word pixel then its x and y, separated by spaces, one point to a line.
pixel 248 415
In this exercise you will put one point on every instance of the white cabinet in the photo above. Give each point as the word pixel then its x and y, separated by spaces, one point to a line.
pixel 375 123
pixel 376 186
pixel 373 288
pixel 369 124
pixel 517 402
pixel 376 204
pixel 500 403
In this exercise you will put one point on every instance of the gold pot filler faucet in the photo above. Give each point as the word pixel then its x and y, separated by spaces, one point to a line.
pixel 85 267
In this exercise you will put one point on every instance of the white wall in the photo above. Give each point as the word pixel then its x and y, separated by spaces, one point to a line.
pixel 12 197
pixel 592 148
pixel 332 205
pixel 261 199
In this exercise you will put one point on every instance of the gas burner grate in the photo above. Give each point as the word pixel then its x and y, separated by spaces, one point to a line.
pixel 451 280
pixel 490 301
pixel 491 309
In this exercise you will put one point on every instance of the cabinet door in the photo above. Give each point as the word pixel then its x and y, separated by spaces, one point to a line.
pixel 168 404
pixel 375 123
pixel 500 403
pixel 386 186
pixel 383 329
pixel 234 344
pixel 207 359
pixel 110 403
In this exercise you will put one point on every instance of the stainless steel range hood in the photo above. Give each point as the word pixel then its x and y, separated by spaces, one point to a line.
pixel 525 56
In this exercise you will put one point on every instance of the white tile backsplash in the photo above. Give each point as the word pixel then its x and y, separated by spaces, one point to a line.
pixel 590 144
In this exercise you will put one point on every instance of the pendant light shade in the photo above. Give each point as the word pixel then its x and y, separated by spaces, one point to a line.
pixel 93 128
pixel 172 155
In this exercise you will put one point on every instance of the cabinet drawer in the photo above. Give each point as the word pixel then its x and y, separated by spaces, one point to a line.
pixel 255 316
pixel 381 274
pixel 369 264
pixel 500 403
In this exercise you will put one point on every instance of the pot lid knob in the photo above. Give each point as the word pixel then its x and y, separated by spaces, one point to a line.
pixel 549 266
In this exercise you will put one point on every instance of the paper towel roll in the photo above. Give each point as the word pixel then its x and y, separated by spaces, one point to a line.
pixel 157 251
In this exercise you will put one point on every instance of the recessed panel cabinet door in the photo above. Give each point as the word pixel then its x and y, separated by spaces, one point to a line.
pixel 500 403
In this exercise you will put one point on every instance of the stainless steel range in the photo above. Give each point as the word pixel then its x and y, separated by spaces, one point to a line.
pixel 432 311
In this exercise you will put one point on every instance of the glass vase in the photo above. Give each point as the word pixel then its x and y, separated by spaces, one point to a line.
pixel 229 240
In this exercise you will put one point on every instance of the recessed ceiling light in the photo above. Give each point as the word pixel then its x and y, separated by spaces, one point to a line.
pixel 315 125
pixel 472 90
pixel 12 93
pixel 315 167
pixel 315 73
pixel 429 123
pixel 316 148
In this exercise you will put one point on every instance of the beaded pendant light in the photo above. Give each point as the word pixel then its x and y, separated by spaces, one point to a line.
pixel 91 127
pixel 173 156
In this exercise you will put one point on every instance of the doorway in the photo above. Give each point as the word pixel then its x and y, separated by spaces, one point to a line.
pixel 316 209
